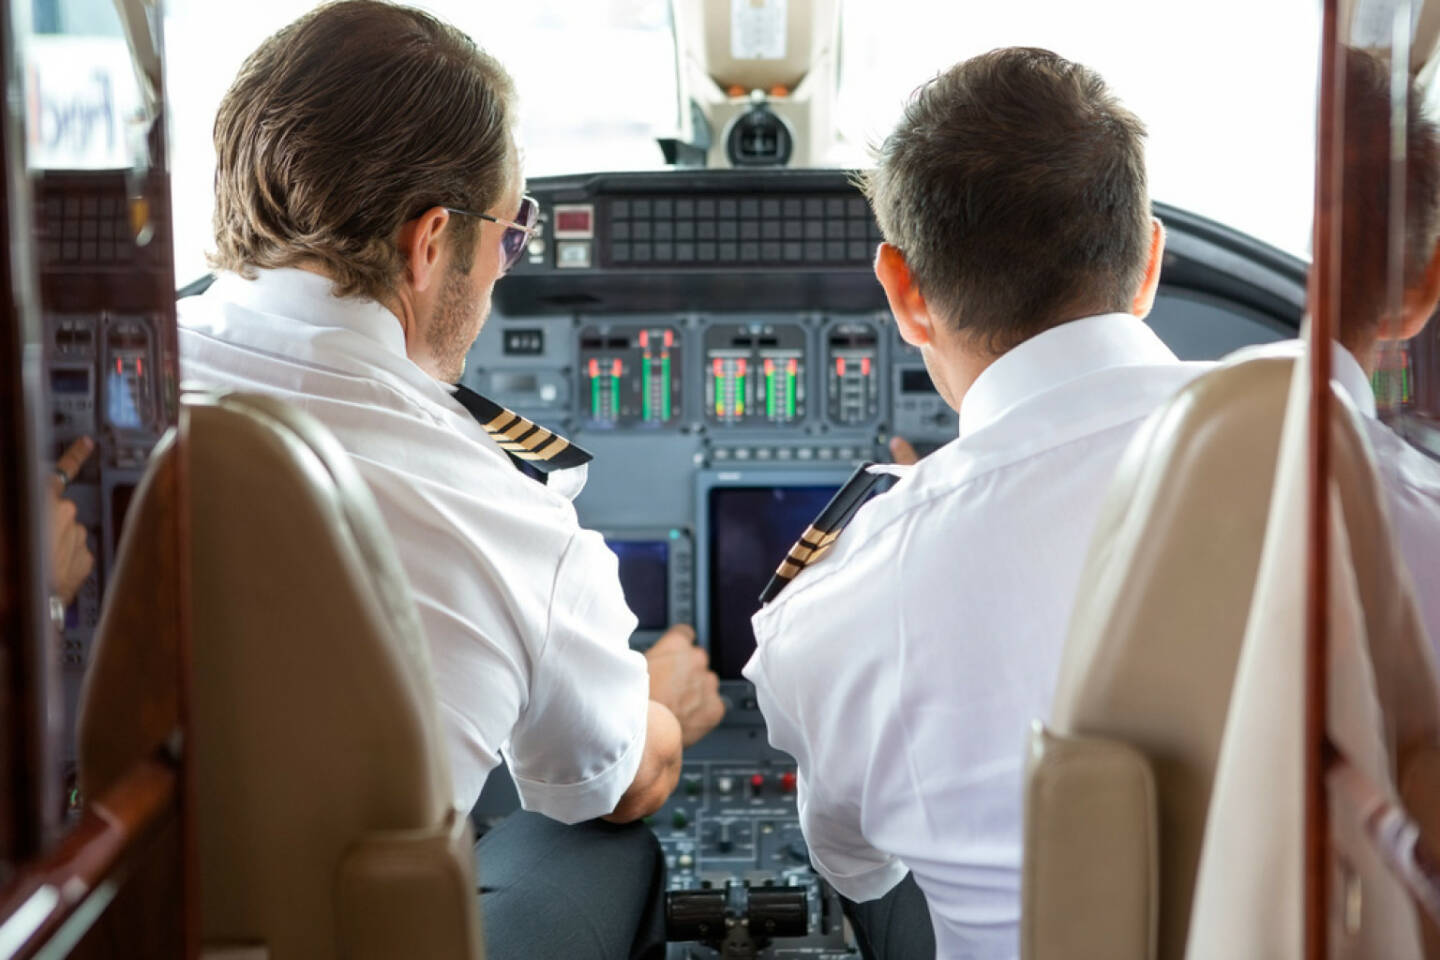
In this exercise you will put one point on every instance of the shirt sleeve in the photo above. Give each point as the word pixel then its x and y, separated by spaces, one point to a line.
pixel 578 743
pixel 831 822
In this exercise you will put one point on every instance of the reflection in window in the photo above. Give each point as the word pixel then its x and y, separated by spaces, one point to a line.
pixel 122 398
pixel 81 96
pixel 89 18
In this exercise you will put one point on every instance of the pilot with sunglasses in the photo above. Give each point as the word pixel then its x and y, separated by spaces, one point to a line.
pixel 368 198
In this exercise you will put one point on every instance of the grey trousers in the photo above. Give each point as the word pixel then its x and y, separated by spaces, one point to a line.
pixel 592 891
pixel 895 927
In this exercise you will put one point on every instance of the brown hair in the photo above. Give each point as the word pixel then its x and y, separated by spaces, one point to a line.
pixel 1014 185
pixel 358 116
pixel 1366 195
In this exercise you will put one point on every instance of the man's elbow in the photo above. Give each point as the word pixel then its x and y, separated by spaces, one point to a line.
pixel 659 770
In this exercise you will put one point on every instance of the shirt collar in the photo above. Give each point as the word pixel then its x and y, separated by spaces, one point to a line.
pixel 309 298
pixel 1057 355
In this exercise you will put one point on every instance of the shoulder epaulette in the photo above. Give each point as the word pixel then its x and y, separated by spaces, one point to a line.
pixel 528 443
pixel 821 535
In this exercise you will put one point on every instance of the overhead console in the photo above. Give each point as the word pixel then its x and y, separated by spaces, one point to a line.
pixel 718 340
pixel 705 239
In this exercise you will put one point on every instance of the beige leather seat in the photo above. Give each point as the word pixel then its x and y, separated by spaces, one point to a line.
pixel 324 812
pixel 1383 718
pixel 1118 788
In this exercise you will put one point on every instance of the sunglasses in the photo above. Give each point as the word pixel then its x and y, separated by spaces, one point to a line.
pixel 517 232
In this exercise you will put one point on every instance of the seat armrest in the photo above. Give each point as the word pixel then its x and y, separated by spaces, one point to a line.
pixel 1089 885
pixel 410 893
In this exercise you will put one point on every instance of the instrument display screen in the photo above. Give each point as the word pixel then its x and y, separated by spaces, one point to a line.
pixel 751 531
pixel 644 576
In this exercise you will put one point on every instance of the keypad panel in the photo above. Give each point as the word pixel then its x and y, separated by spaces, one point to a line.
pixel 714 231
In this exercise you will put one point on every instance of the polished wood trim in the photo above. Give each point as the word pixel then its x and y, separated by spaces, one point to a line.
pixel 29 810
pixel 1324 297
pixel 49 890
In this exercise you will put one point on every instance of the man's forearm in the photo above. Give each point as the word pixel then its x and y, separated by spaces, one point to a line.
pixel 659 769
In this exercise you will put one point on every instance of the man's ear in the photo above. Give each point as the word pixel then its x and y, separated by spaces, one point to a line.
pixel 420 248
pixel 912 315
pixel 1420 300
pixel 1145 296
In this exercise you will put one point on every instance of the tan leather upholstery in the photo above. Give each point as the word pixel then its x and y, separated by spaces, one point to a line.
pixel 325 826
pixel 1095 801
pixel 1383 716
pixel 1161 618
pixel 1153 641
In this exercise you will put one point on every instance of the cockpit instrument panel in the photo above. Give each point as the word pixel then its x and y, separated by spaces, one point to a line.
pixel 852 373
pixel 631 375
pixel 755 373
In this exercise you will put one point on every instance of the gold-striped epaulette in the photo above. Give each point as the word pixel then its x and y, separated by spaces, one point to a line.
pixel 821 535
pixel 528 443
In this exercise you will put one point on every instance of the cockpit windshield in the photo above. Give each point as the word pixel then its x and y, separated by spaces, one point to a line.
pixel 1231 135
pixel 596 83
pixel 1229 139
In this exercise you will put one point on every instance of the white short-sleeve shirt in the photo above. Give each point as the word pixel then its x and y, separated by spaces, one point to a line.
pixel 526 622
pixel 903 669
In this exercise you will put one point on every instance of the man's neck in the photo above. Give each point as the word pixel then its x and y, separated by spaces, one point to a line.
pixel 1364 353
pixel 959 371
pixel 397 303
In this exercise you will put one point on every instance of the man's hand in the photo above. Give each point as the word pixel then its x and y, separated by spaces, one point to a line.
pixel 68 549
pixel 681 679
pixel 902 452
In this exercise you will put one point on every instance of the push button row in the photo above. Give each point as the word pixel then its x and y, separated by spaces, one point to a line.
pixel 787 453
pixel 750 251
pixel 665 230
pixel 772 230
pixel 744 207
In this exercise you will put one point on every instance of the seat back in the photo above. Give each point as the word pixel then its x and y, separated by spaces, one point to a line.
pixel 323 800
pixel 1148 665
pixel 1383 718
pixel 1119 789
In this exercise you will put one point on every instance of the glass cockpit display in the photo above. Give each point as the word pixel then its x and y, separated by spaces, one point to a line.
pixel 644 576
pixel 755 373
pixel 631 376
pixel 751 531
pixel 655 568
